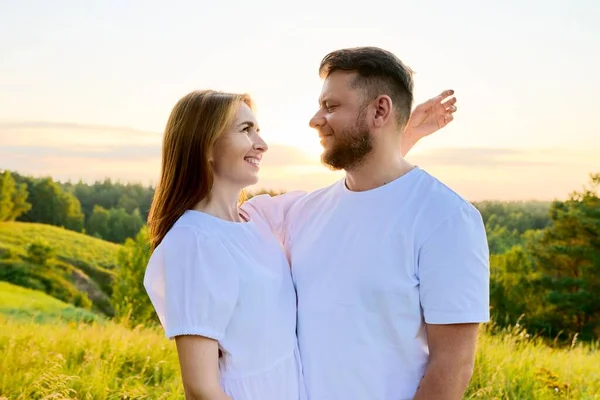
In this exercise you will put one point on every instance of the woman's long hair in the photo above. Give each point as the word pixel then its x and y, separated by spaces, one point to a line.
pixel 195 123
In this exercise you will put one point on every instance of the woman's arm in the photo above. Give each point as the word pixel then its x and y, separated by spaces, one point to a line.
pixel 199 361
pixel 427 118
pixel 273 209
pixel 193 284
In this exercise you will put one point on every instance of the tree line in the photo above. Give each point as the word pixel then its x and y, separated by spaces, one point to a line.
pixel 109 210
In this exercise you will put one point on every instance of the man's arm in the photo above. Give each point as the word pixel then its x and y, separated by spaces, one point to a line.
pixel 453 271
pixel 451 359
pixel 427 118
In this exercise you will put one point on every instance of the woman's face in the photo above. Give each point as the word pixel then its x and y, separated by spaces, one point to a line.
pixel 238 151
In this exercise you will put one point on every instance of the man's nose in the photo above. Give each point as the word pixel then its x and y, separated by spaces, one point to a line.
pixel 317 121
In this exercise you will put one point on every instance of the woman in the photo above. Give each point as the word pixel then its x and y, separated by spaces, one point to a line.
pixel 218 278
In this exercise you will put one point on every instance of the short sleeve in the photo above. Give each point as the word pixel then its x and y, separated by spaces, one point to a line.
pixel 273 209
pixel 453 270
pixel 193 284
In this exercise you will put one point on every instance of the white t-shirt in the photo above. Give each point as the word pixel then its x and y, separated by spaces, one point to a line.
pixel 231 282
pixel 370 268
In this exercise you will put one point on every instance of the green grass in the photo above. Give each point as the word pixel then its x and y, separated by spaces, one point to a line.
pixel 28 305
pixel 70 361
pixel 512 365
pixel 90 361
pixel 72 247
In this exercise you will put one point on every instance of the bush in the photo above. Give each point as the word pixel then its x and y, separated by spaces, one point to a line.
pixel 40 252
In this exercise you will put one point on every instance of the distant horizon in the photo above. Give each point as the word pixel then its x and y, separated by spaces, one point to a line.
pixel 132 156
pixel 252 189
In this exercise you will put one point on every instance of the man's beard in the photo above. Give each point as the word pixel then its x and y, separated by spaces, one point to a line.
pixel 350 147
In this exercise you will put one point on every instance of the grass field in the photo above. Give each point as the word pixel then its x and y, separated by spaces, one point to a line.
pixel 109 361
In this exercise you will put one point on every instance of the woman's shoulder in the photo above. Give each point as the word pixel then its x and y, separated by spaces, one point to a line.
pixel 186 227
pixel 208 233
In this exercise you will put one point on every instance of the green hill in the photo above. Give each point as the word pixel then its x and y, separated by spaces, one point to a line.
pixel 80 272
pixel 32 305
pixel 71 246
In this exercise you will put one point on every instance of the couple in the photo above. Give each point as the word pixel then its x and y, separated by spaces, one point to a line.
pixel 371 288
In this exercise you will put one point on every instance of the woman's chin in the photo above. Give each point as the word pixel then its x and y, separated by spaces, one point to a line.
pixel 251 180
pixel 254 180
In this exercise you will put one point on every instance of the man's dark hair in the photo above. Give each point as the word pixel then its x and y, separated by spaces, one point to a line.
pixel 378 72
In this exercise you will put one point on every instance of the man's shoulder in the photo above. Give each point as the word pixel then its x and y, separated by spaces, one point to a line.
pixel 440 194
pixel 435 201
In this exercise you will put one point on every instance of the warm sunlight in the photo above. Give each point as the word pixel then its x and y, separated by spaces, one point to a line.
pixel 132 271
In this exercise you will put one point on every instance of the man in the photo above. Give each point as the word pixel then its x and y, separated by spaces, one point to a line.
pixel 391 266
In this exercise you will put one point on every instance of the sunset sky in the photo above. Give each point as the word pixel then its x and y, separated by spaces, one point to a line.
pixel 86 86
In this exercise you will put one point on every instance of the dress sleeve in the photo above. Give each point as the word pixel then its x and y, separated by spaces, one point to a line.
pixel 193 284
pixel 453 271
pixel 273 209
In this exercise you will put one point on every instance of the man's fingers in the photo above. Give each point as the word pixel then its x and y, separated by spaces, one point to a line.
pixel 447 93
pixel 432 102
pixel 451 109
pixel 450 102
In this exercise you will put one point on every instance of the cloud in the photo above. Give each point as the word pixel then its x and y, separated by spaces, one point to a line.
pixel 490 157
pixel 43 139
pixel 108 152
pixel 69 135
pixel 91 152
pixel 42 125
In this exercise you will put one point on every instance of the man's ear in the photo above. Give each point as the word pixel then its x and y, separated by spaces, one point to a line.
pixel 383 110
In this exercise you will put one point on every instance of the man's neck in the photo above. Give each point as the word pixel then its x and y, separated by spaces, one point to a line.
pixel 380 168
pixel 222 202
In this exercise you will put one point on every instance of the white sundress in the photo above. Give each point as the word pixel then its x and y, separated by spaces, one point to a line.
pixel 231 282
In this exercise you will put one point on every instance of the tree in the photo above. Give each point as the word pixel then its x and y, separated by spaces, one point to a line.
pixel 51 205
pixel 13 198
pixel 514 289
pixel 97 223
pixel 568 257
pixel 72 217
pixel 129 296
pixel 118 224
pixel 44 195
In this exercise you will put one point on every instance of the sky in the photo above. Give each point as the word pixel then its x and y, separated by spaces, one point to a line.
pixel 86 87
